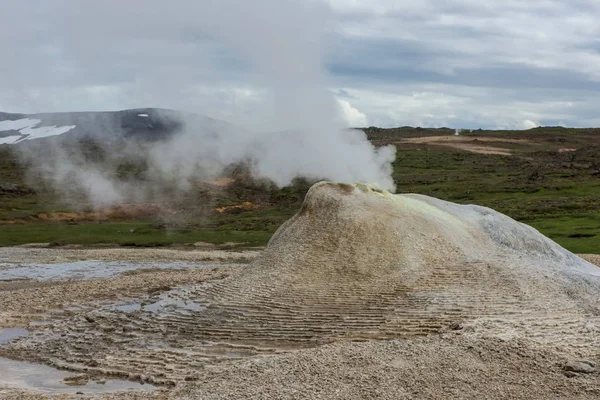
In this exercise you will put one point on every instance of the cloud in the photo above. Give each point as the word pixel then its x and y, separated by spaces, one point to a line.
pixel 512 50
pixel 352 116
pixel 90 55
pixel 458 106
pixel 528 124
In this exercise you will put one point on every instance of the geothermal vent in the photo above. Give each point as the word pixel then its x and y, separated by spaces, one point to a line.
pixel 360 263
pixel 354 263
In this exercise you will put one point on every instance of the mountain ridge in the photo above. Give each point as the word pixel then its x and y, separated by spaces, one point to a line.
pixel 148 123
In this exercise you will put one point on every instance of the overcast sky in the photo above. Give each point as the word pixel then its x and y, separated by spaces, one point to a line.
pixel 456 63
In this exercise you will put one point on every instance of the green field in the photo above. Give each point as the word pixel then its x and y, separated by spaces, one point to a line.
pixel 557 193
pixel 124 233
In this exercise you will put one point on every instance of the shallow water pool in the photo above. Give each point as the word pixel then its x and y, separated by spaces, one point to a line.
pixel 45 379
pixel 87 269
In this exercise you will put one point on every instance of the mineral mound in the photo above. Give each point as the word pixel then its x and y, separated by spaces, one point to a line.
pixel 357 262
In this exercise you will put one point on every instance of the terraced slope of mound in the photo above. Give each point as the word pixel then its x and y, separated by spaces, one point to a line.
pixel 355 263
pixel 358 263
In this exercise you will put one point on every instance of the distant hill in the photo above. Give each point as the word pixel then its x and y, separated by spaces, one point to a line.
pixel 142 123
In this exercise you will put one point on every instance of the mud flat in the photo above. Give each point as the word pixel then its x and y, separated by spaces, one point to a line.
pixel 40 287
pixel 361 295
pixel 32 255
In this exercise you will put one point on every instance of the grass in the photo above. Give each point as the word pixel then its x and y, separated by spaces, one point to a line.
pixel 580 234
pixel 556 193
pixel 557 198
pixel 124 233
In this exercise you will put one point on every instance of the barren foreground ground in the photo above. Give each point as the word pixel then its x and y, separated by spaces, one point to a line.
pixel 458 361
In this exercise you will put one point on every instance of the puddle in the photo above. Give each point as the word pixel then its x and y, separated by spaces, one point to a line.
pixel 170 305
pixel 173 301
pixel 170 302
pixel 6 335
pixel 128 307
pixel 41 378
pixel 87 269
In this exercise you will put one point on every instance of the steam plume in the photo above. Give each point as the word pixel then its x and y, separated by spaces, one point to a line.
pixel 296 128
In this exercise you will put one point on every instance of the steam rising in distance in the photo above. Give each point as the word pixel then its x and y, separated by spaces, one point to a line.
pixel 299 130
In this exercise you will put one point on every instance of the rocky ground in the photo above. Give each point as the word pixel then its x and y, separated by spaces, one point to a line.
pixel 452 366
pixel 43 254
pixel 458 362
pixel 593 258
pixel 22 301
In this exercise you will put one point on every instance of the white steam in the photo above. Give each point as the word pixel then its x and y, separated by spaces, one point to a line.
pixel 352 116
pixel 298 128
pixel 303 129
pixel 336 154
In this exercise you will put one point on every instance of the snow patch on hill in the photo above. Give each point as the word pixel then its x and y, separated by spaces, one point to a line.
pixel 18 124
pixel 28 131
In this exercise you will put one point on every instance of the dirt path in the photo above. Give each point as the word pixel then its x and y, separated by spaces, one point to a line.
pixel 469 143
